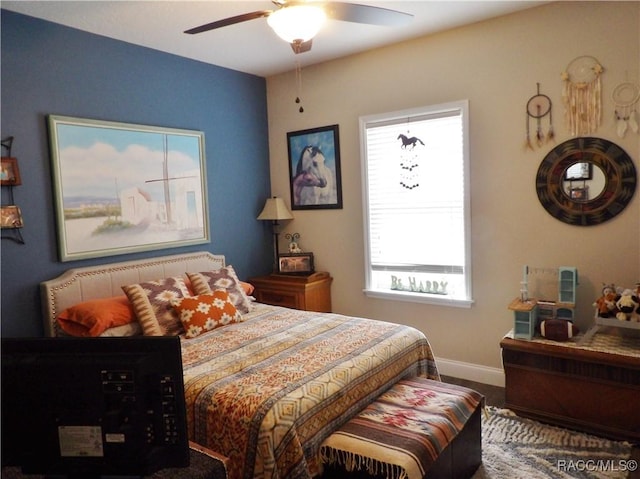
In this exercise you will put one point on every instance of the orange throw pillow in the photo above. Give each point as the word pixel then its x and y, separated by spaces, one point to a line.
pixel 206 312
pixel 92 318
pixel 247 287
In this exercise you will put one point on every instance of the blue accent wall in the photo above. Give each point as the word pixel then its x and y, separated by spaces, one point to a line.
pixel 51 69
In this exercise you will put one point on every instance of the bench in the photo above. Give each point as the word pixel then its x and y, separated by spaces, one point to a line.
pixel 418 429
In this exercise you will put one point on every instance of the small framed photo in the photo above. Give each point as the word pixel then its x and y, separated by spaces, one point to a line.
pixel 580 193
pixel 295 263
pixel 10 217
pixel 9 172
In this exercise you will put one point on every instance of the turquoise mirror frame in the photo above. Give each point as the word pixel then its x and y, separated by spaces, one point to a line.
pixel 620 181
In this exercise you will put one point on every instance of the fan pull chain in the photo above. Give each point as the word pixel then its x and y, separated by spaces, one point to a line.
pixel 299 86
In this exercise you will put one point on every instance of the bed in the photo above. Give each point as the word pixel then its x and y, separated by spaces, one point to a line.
pixel 267 389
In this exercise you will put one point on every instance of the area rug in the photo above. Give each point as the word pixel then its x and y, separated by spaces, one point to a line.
pixel 518 448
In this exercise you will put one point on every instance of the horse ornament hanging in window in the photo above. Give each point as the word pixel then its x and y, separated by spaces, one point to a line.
pixel 409 161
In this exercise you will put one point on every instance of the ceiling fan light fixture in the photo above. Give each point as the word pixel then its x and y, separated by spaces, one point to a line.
pixel 297 23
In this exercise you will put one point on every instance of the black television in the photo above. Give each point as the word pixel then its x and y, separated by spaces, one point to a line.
pixel 93 407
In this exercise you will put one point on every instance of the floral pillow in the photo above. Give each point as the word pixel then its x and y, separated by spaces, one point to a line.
pixel 151 302
pixel 223 278
pixel 206 312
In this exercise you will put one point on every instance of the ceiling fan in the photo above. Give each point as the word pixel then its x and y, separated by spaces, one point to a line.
pixel 297 22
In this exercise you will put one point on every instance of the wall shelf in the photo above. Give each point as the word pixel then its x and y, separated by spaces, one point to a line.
pixel 10 177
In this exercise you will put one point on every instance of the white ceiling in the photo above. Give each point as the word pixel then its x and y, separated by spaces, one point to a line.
pixel 252 46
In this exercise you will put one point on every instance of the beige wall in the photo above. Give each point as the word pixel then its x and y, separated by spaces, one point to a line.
pixel 495 65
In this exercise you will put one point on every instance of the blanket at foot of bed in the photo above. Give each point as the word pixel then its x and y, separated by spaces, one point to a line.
pixel 401 434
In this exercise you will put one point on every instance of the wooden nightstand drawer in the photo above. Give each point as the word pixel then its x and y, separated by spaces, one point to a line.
pixel 308 292
pixel 277 298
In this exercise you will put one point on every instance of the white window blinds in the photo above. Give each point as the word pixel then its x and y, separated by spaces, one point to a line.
pixel 415 201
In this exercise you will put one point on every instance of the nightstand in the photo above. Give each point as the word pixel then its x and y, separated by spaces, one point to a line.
pixel 310 292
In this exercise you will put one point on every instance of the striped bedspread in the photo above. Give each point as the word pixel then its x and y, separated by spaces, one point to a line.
pixel 403 432
pixel 266 392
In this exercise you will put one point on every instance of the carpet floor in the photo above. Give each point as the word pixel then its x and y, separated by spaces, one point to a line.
pixel 519 448
pixel 495 396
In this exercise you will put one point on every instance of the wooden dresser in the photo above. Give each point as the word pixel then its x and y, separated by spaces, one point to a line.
pixel 308 292
pixel 592 387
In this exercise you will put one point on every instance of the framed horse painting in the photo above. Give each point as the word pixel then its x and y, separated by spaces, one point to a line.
pixel 314 168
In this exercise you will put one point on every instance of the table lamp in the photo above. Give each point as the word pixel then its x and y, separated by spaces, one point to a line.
pixel 275 210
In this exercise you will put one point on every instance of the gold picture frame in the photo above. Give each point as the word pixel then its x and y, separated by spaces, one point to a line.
pixel 9 172
pixel 11 217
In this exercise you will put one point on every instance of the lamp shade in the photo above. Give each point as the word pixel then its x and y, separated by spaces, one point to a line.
pixel 275 209
pixel 297 23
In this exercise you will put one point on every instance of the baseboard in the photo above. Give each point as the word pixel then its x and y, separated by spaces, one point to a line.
pixel 471 372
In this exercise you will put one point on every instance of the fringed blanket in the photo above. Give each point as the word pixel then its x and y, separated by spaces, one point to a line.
pixel 402 433
pixel 268 391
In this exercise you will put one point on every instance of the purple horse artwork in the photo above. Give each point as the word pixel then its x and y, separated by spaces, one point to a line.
pixel 304 180
pixel 313 183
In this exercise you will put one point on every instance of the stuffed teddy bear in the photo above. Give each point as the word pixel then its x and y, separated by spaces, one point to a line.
pixel 628 306
pixel 606 304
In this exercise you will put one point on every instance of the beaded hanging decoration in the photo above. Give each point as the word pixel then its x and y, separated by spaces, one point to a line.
pixel 625 98
pixel 538 107
pixel 582 95
pixel 409 174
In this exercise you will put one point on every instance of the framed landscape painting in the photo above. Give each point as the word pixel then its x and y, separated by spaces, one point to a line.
pixel 121 188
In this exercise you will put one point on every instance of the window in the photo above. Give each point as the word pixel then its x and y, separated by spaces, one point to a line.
pixel 416 204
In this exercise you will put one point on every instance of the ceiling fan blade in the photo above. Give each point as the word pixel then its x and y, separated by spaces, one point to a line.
pixel 229 21
pixel 355 13
pixel 301 47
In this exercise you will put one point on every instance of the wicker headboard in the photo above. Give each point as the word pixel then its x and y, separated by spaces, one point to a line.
pixel 103 281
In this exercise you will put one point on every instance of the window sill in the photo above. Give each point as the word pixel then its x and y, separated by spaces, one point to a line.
pixel 424 298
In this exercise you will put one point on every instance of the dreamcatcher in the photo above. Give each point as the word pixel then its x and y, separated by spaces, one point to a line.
pixel 409 173
pixel 538 107
pixel 582 95
pixel 625 97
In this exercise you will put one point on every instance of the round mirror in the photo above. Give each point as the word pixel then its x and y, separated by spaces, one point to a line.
pixel 586 181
